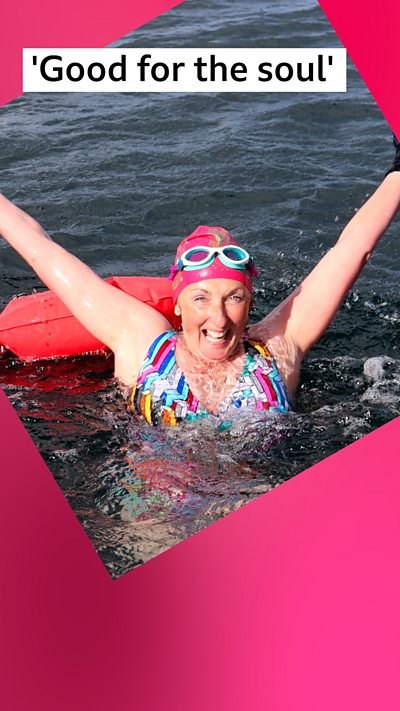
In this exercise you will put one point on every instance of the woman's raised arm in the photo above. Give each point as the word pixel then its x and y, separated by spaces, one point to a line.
pixel 112 316
pixel 305 315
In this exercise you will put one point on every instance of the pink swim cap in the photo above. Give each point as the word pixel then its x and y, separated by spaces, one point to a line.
pixel 205 236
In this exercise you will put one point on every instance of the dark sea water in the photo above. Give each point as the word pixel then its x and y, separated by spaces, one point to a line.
pixel 119 179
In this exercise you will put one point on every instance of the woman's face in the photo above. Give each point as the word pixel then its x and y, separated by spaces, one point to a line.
pixel 214 315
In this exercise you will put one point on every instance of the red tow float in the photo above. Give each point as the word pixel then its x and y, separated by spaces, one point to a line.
pixel 39 326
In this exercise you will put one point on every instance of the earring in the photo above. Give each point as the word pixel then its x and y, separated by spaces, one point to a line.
pixel 177 310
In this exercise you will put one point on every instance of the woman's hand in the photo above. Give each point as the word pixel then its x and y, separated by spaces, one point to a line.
pixel 311 308
pixel 305 315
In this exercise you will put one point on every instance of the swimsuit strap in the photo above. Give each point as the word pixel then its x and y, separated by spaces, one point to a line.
pixel 262 374
pixel 159 362
pixel 260 347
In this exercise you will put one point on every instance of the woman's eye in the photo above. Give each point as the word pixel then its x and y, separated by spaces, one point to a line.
pixel 199 299
pixel 236 298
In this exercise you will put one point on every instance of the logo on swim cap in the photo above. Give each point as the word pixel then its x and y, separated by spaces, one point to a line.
pixel 205 236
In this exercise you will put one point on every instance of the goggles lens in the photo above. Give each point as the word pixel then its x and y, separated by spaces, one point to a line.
pixel 196 255
pixel 235 253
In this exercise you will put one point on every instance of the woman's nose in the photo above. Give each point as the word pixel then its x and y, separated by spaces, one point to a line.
pixel 217 314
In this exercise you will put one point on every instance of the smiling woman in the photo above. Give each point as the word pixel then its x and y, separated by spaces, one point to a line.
pixel 210 367
pixel 215 366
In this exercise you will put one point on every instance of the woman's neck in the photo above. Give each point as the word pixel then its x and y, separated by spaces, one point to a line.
pixel 211 382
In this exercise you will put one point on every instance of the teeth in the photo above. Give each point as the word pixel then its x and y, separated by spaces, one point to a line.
pixel 215 335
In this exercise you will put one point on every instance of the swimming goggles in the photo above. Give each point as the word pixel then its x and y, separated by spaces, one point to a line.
pixel 200 257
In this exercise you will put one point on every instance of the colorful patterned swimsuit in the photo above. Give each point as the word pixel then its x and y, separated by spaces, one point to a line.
pixel 163 395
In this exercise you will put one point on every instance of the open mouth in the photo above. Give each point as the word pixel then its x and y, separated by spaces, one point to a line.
pixel 215 336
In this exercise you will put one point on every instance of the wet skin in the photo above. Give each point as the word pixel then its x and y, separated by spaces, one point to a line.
pixel 214 315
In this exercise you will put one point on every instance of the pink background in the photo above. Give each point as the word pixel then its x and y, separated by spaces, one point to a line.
pixel 290 603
